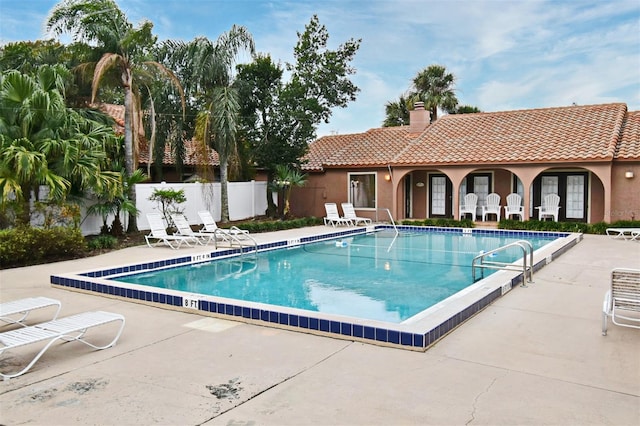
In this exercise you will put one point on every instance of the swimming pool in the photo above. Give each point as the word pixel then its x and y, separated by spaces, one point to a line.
pixel 379 275
pixel 417 331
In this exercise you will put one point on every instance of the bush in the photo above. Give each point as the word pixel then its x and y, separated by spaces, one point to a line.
pixel 443 223
pixel 599 228
pixel 102 242
pixel 278 225
pixel 27 246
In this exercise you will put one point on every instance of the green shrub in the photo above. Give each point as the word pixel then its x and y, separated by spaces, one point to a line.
pixel 440 222
pixel 102 242
pixel 27 245
pixel 599 228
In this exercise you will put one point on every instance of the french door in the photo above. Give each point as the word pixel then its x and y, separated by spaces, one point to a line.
pixel 572 187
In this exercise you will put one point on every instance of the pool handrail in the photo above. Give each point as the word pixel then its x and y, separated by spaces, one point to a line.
pixel 527 248
pixel 393 222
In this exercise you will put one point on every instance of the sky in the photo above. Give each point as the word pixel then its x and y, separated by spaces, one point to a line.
pixel 504 54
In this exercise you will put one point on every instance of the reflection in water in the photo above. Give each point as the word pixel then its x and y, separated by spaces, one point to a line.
pixel 369 276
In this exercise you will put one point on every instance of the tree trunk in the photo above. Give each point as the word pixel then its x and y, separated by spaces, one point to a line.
pixel 224 196
pixel 271 206
pixel 129 165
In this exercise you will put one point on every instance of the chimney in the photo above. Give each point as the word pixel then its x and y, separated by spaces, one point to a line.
pixel 418 118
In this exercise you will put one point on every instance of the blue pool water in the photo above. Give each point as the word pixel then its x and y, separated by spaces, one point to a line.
pixel 373 276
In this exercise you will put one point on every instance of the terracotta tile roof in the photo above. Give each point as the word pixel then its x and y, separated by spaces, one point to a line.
pixel 114 111
pixel 193 155
pixel 373 148
pixel 192 152
pixel 548 135
pixel 629 146
pixel 576 133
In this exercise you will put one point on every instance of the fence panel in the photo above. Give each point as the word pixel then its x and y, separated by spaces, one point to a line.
pixel 246 200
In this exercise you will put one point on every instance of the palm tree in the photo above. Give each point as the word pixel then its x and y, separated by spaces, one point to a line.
pixel 125 52
pixel 434 87
pixel 44 143
pixel 212 81
pixel 396 113
pixel 285 180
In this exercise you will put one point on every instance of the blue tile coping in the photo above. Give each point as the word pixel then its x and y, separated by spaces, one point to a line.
pixel 417 336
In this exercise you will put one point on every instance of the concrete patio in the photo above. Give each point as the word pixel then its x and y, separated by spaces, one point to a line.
pixel 535 356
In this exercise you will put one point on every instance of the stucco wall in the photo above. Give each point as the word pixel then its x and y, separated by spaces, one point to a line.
pixel 625 197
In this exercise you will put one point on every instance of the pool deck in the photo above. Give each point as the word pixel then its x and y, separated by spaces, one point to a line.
pixel 535 356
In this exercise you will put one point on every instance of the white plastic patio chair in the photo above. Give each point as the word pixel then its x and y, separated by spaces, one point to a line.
pixel 182 225
pixel 23 307
pixel 492 206
pixel 514 206
pixel 333 218
pixel 469 206
pixel 209 226
pixel 350 213
pixel 159 232
pixel 68 329
pixel 550 207
pixel 624 233
pixel 622 301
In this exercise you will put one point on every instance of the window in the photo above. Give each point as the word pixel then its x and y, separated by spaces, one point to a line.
pixel 362 190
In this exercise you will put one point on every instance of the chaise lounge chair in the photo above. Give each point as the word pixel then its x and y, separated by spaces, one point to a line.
pixel 350 213
pixel 184 229
pixel 622 301
pixel 333 217
pixel 492 206
pixel 550 207
pixel 209 226
pixel 159 233
pixel 469 206
pixel 514 206
pixel 23 307
pixel 624 233
pixel 68 329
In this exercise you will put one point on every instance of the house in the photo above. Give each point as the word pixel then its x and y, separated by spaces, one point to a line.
pixel 198 160
pixel 588 155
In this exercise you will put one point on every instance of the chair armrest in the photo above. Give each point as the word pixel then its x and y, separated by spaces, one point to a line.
pixel 606 304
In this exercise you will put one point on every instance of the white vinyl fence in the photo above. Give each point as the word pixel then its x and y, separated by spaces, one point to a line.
pixel 246 200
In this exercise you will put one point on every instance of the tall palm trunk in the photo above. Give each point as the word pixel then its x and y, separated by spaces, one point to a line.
pixel 224 193
pixel 129 162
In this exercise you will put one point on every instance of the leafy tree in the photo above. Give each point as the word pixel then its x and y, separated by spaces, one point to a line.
pixel 168 200
pixel 465 109
pixel 280 119
pixel 126 55
pixel 42 142
pixel 435 87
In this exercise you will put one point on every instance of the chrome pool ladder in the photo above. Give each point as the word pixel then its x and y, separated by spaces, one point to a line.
pixel 480 261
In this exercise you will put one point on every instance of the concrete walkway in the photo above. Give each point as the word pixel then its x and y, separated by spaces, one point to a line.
pixel 535 356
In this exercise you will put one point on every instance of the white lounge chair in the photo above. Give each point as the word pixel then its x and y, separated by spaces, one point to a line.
pixel 469 206
pixel 159 233
pixel 333 218
pixel 350 213
pixel 209 226
pixel 624 233
pixel 492 206
pixel 72 328
pixel 622 301
pixel 23 307
pixel 550 207
pixel 514 206
pixel 182 225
